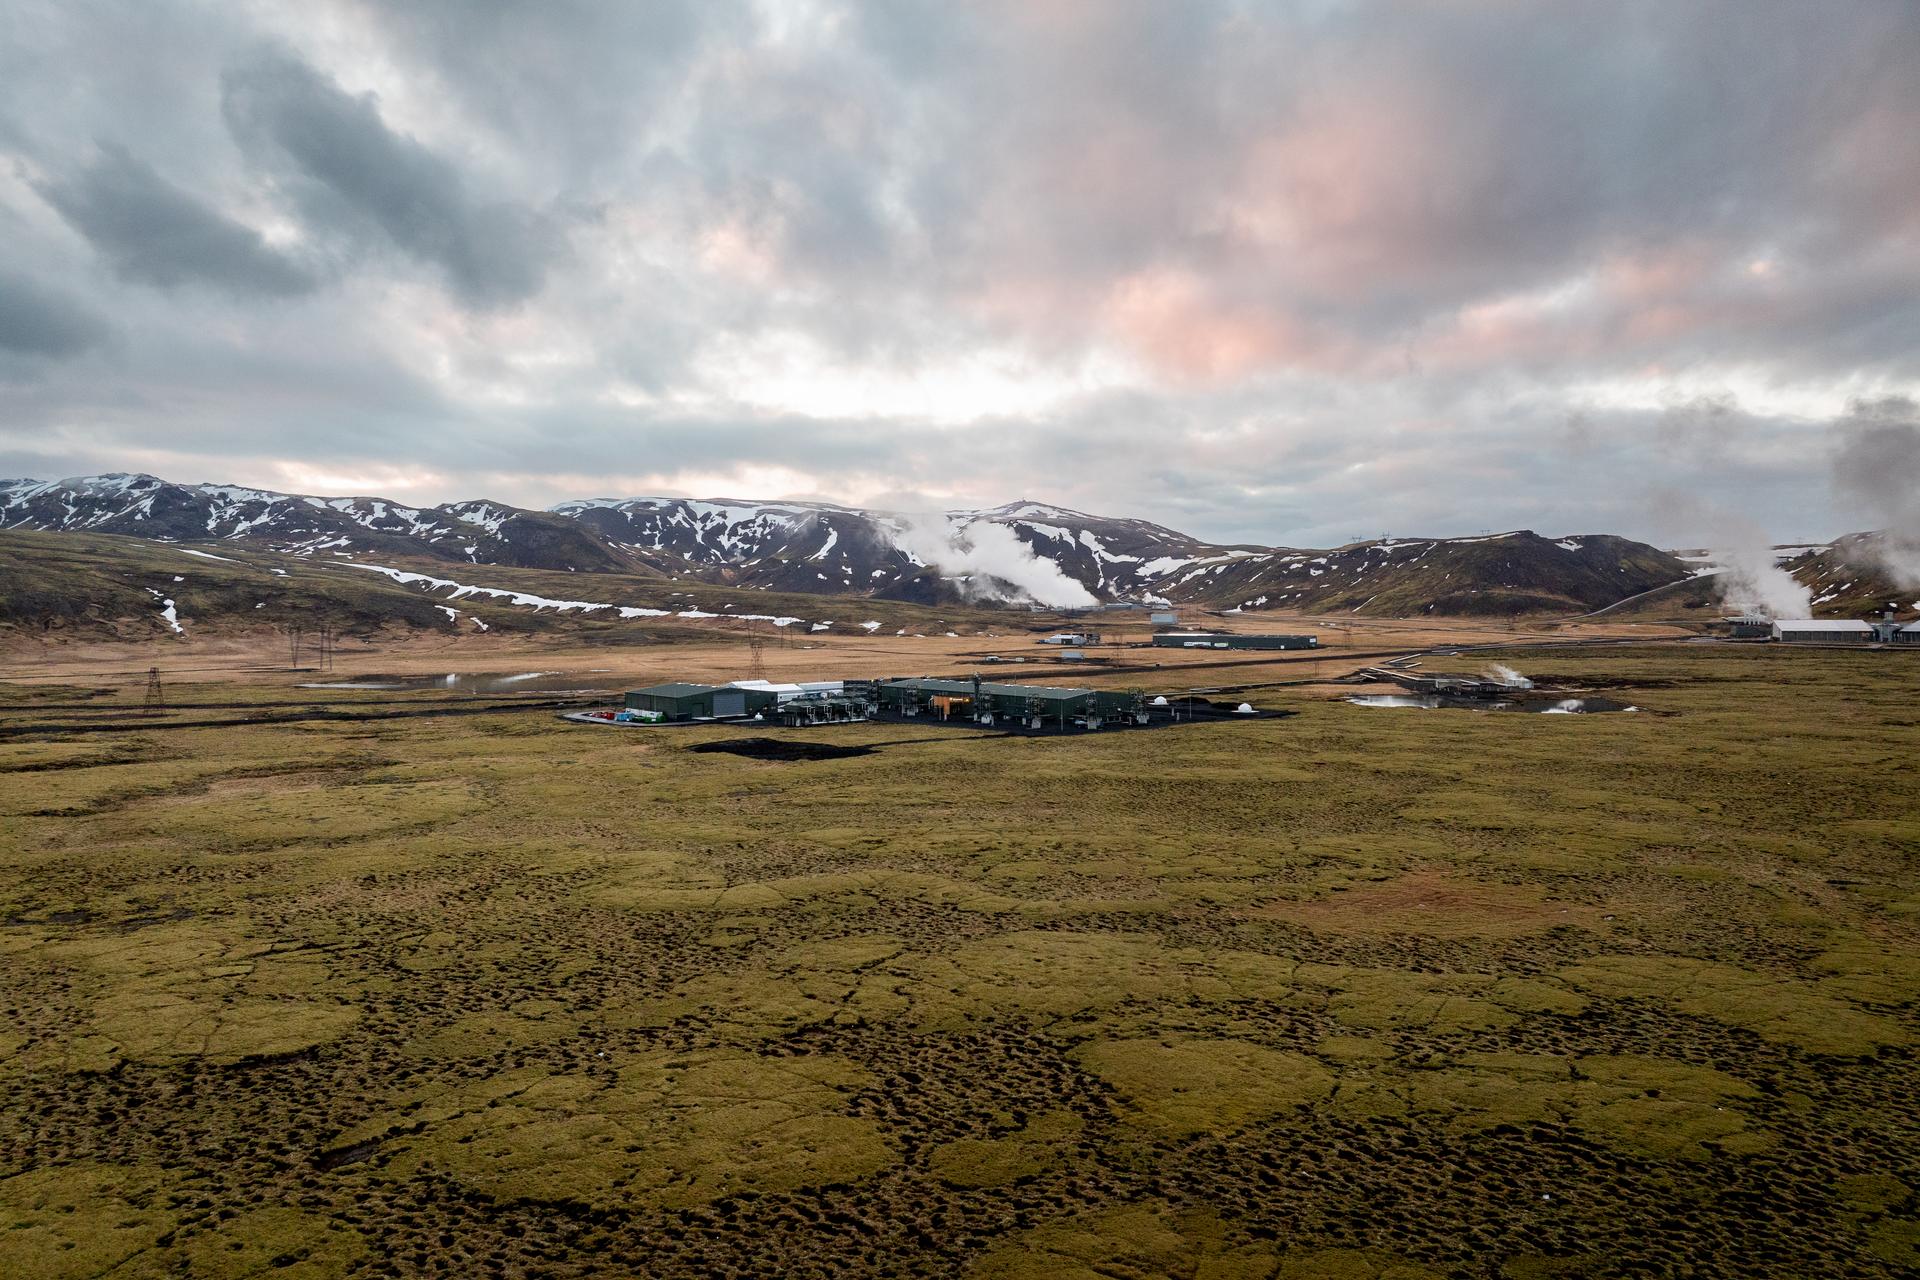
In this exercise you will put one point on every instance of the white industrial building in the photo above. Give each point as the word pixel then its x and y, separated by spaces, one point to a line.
pixel 784 693
pixel 1823 631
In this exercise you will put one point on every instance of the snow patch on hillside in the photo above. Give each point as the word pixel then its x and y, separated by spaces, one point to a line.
pixel 528 600
pixel 168 614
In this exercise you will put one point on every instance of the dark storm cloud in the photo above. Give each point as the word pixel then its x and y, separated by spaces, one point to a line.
pixel 347 169
pixel 37 321
pixel 152 232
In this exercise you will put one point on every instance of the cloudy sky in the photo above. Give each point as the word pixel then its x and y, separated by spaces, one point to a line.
pixel 1286 272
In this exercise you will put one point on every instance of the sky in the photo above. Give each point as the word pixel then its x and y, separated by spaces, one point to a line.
pixel 1286 273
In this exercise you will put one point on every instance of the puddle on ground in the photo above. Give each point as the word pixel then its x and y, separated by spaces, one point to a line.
pixel 481 682
pixel 1542 705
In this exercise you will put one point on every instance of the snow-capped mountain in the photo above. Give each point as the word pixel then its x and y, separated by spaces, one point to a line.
pixel 1023 551
pixel 1020 550
pixel 144 506
pixel 786 546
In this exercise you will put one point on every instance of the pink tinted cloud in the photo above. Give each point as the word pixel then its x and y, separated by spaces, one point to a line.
pixel 1171 321
pixel 1875 160
pixel 1345 193
pixel 1627 306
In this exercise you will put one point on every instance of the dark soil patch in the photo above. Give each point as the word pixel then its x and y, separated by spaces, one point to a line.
pixel 77 916
pixel 340 1157
pixel 781 749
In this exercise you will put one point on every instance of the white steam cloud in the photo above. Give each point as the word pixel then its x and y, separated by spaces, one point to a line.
pixel 1753 581
pixel 1503 674
pixel 1750 577
pixel 991 558
pixel 1876 468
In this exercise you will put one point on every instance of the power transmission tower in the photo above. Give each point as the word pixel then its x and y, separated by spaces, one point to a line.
pixel 756 644
pixel 294 635
pixel 156 700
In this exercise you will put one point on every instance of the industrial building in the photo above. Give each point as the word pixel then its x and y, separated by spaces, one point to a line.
pixel 698 702
pixel 1072 638
pixel 785 693
pixel 823 708
pixel 832 701
pixel 1164 619
pixel 812 702
pixel 1008 707
pixel 1823 631
pixel 1231 640
pixel 1833 631
pixel 987 702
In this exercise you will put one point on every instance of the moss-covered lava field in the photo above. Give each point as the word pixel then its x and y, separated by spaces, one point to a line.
pixel 1354 993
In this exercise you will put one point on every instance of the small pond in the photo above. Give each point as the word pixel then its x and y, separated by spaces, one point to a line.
pixel 1545 705
pixel 480 682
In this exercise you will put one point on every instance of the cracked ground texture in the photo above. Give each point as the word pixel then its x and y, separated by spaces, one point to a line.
pixel 1390 995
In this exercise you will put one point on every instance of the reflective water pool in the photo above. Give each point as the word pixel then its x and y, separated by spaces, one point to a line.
pixel 481 682
pixel 1541 705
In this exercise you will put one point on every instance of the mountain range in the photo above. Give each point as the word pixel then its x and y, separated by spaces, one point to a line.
pixel 1023 552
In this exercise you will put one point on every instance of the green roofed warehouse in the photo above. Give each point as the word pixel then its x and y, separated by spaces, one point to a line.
pixel 679 701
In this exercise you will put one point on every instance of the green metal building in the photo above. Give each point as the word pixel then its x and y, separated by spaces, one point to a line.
pixel 700 701
pixel 1039 706
pixel 1229 640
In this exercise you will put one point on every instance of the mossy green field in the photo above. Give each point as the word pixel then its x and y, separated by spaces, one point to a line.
pixel 1353 993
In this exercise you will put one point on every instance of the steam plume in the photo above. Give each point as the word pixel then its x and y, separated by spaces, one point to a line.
pixel 1876 467
pixel 993 559
pixel 1750 579
pixel 1753 582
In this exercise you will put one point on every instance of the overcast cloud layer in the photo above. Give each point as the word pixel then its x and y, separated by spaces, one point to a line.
pixel 1275 272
